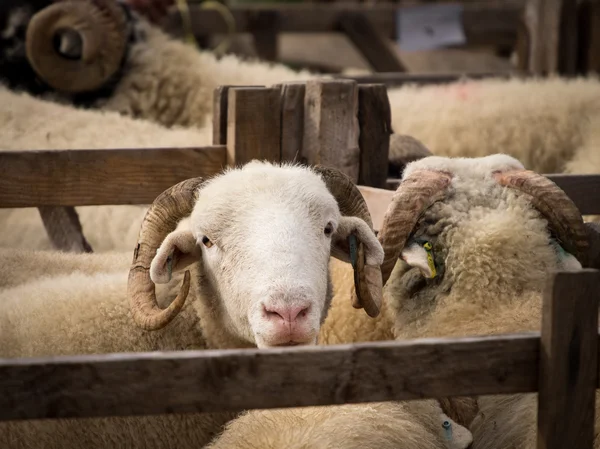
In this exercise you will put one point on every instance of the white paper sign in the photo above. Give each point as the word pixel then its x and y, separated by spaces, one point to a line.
pixel 429 27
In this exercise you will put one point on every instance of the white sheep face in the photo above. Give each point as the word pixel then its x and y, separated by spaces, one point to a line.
pixel 264 234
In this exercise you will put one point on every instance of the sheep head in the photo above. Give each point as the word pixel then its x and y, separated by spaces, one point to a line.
pixel 484 208
pixel 262 236
pixel 76 46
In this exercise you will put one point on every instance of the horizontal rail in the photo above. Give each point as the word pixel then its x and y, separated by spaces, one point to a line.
pixel 107 176
pixel 238 379
pixel 484 24
pixel 584 190
pixel 400 79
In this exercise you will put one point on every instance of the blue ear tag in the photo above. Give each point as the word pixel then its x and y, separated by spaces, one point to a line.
pixel 447 425
pixel 353 250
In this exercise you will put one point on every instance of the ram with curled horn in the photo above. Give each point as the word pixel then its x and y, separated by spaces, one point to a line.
pixel 470 244
pixel 258 243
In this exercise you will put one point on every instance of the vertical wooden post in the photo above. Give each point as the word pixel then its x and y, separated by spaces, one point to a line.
pixel 331 125
pixel 552 40
pixel 375 122
pixel 568 361
pixel 589 37
pixel 64 229
pixel 292 121
pixel 253 125
pixel 263 25
pixel 220 99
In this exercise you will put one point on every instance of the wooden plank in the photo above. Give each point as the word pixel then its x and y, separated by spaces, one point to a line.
pixel 375 122
pixel 264 29
pixel 552 42
pixel 589 37
pixel 218 380
pixel 253 125
pixel 292 121
pixel 331 125
pixel 64 229
pixel 400 79
pixel 92 177
pixel 584 190
pixel 568 361
pixel 220 99
pixel 485 23
pixel 368 40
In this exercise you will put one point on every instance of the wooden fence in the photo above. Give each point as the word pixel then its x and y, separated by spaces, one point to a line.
pixel 318 122
pixel 550 36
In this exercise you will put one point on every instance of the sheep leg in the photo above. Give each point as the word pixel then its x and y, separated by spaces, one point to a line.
pixel 64 229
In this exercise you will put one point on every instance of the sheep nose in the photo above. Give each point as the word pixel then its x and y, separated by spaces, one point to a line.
pixel 287 313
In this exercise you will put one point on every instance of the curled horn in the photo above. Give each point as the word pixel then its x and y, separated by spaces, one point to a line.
pixel 77 45
pixel 368 291
pixel 554 204
pixel 161 219
pixel 417 192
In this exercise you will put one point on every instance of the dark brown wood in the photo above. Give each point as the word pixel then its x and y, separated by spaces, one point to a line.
pixel 568 361
pixel 400 79
pixel 212 380
pixel 552 43
pixel 292 121
pixel 584 190
pixel 220 99
pixel 64 229
pixel 589 37
pixel 375 122
pixel 253 125
pixel 373 46
pixel 92 177
pixel 264 29
pixel 485 23
pixel 331 125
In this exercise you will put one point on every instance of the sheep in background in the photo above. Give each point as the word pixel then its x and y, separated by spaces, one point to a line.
pixel 286 220
pixel 34 124
pixel 469 245
pixel 381 425
pixel 548 124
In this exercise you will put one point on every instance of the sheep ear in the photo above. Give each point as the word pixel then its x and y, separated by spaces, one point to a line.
pixel 567 261
pixel 176 252
pixel 354 242
pixel 420 255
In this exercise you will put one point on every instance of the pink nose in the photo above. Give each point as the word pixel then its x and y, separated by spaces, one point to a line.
pixel 289 314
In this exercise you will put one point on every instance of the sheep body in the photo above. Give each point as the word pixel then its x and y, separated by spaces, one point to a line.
pixel 494 252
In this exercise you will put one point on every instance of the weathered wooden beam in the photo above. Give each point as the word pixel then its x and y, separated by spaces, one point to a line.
pixel 552 36
pixel 568 372
pixel 484 23
pixel 64 229
pixel 93 177
pixel 400 79
pixel 218 380
pixel 370 42
pixel 582 189
pixel 220 101
pixel 331 125
pixel 253 125
pixel 292 121
pixel 589 37
pixel 375 123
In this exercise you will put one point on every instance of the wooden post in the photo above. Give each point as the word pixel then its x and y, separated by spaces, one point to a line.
pixel 589 37
pixel 552 36
pixel 64 229
pixel 374 119
pixel 264 28
pixel 331 125
pixel 370 42
pixel 253 125
pixel 220 99
pixel 292 121
pixel 568 361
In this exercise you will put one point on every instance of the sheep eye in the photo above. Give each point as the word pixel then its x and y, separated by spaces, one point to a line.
pixel 328 229
pixel 206 242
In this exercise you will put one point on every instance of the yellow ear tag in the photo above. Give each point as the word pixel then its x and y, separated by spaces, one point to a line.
pixel 428 249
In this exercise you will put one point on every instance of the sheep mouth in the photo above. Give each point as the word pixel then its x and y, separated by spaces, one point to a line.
pixel 290 343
